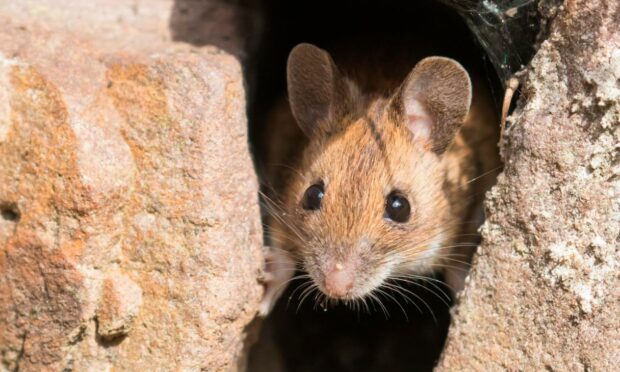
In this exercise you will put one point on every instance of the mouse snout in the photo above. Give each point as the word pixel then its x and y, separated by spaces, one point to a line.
pixel 339 278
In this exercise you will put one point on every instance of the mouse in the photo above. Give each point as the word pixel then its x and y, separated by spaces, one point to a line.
pixel 377 174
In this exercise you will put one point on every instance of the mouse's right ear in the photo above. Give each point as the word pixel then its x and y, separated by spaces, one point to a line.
pixel 434 101
pixel 318 94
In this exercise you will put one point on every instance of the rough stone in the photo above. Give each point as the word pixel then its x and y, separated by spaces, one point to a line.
pixel 119 305
pixel 544 291
pixel 130 233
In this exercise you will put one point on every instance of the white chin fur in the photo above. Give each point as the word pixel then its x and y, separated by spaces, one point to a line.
pixel 424 261
pixel 422 264
pixel 375 281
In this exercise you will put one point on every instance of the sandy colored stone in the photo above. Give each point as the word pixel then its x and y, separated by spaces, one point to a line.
pixel 129 229
pixel 119 305
pixel 142 25
pixel 544 293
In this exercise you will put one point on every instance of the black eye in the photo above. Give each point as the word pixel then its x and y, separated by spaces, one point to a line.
pixel 313 197
pixel 397 207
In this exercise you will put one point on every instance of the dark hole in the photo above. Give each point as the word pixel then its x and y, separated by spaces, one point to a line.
pixel 308 338
pixel 9 212
pixel 340 339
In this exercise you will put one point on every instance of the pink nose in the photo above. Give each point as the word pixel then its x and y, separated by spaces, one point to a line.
pixel 338 280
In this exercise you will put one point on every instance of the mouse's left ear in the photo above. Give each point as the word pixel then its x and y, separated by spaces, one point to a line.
pixel 434 100
pixel 319 95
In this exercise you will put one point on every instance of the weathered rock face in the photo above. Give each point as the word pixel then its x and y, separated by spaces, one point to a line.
pixel 129 226
pixel 129 231
pixel 544 291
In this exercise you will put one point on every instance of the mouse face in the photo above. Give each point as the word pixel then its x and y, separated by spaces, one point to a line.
pixel 368 202
pixel 365 211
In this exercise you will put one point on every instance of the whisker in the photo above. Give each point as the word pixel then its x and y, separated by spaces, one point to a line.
pixel 444 300
pixel 374 297
pixel 298 277
pixel 305 295
pixel 300 286
pixel 407 299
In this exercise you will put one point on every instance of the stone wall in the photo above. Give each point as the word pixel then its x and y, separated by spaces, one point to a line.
pixel 544 291
pixel 130 232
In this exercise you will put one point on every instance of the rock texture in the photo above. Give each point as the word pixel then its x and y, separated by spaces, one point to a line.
pixel 129 231
pixel 544 292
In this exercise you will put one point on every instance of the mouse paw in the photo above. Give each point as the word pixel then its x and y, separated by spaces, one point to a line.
pixel 455 280
pixel 455 276
pixel 279 269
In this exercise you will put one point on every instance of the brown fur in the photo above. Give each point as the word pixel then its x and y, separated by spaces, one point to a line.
pixel 360 146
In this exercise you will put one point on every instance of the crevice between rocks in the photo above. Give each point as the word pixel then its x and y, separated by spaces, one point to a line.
pixel 306 339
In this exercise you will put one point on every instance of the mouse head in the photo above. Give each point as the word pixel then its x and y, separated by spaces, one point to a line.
pixel 369 202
